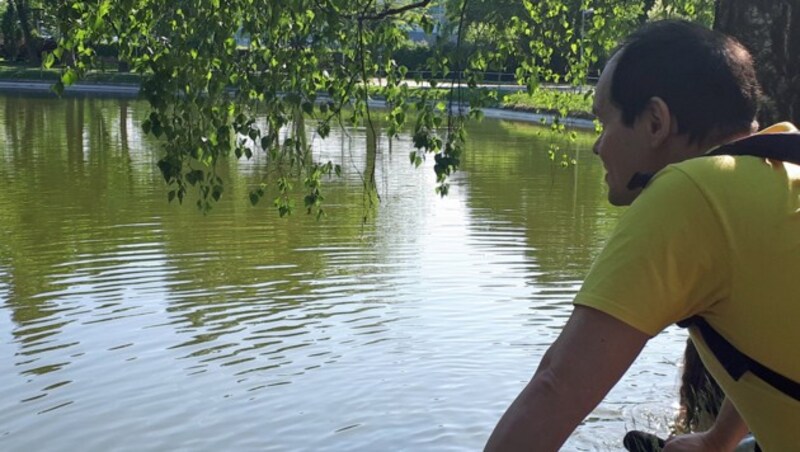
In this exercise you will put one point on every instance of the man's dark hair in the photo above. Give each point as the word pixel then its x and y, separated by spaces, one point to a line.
pixel 705 77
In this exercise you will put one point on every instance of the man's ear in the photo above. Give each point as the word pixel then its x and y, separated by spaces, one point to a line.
pixel 659 122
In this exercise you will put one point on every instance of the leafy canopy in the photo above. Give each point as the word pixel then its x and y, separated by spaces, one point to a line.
pixel 212 67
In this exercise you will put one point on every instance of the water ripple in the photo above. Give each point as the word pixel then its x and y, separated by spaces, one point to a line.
pixel 134 324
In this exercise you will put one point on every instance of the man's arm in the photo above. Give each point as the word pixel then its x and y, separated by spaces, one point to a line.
pixel 590 355
pixel 728 429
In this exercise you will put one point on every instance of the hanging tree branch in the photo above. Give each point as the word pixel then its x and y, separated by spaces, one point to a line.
pixel 455 83
pixel 314 57
pixel 394 11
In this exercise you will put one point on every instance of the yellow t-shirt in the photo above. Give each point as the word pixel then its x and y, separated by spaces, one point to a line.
pixel 718 237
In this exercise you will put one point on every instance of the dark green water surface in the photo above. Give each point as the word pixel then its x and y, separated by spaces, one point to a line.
pixel 131 324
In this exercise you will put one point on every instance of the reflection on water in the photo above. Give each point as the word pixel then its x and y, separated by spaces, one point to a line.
pixel 127 323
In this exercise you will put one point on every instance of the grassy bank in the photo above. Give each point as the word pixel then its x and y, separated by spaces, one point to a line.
pixel 563 101
pixel 543 100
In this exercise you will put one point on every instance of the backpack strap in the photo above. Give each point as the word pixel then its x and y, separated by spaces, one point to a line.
pixel 736 363
pixel 775 146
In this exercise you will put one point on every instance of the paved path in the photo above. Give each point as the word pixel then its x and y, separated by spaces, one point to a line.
pixel 132 91
pixel 43 87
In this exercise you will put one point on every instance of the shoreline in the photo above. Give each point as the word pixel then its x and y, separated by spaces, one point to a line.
pixel 131 91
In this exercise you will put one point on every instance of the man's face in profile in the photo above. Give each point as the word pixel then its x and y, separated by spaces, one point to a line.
pixel 620 147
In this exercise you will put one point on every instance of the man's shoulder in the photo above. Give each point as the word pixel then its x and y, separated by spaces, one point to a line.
pixel 745 165
pixel 695 175
pixel 724 172
pixel 720 182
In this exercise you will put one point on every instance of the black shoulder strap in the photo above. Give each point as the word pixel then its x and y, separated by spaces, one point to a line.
pixel 777 146
pixel 737 363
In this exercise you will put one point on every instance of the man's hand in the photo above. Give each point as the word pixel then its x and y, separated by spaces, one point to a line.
pixel 593 351
pixel 724 435
pixel 693 442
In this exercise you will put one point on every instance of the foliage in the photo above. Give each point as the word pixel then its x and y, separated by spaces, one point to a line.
pixel 309 65
pixel 413 55
pixel 701 11
pixel 12 34
pixel 490 12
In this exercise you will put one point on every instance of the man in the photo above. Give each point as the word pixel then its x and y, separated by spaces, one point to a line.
pixel 717 237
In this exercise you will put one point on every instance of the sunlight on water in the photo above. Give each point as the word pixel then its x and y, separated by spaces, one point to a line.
pixel 127 323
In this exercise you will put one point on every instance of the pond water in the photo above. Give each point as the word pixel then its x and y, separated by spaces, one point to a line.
pixel 128 323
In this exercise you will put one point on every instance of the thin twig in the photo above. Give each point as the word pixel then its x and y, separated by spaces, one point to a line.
pixel 393 11
pixel 457 73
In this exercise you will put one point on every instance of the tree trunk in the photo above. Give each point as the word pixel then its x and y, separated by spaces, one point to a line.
pixel 770 29
pixel 25 24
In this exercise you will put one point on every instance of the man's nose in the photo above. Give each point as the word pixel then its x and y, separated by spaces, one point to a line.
pixel 596 147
